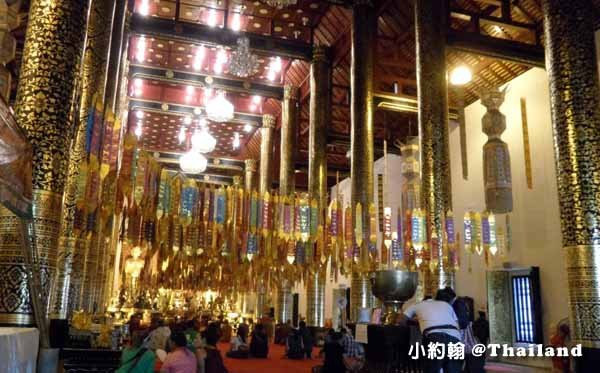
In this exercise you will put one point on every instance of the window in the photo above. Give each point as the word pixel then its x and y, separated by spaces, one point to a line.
pixel 526 306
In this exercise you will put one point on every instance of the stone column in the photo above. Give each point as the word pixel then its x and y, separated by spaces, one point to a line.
pixel 433 123
pixel 51 59
pixel 250 174
pixel 289 132
pixel 266 153
pixel 364 29
pixel 575 103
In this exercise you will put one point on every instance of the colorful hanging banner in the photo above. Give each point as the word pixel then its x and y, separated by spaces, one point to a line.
pixel 468 228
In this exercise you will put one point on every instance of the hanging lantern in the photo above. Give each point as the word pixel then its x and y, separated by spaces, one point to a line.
pixel 219 109
pixel 493 237
pixel 193 162
pixel 203 141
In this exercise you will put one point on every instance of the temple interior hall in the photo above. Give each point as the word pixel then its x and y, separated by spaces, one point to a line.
pixel 299 186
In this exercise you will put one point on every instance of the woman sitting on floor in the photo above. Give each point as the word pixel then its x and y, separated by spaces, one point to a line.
pixel 136 358
pixel 259 344
pixel 239 346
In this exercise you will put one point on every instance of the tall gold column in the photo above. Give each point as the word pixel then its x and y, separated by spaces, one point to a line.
pixel 51 58
pixel 289 131
pixel 575 101
pixel 287 176
pixel 433 124
pixel 364 28
pixel 266 153
pixel 83 251
pixel 250 174
pixel 320 116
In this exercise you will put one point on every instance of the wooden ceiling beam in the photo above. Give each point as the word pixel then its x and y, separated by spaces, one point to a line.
pixel 197 33
pixel 513 51
pixel 201 80
pixel 184 110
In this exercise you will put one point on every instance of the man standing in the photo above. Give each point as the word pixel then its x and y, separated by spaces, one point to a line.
pixel 439 326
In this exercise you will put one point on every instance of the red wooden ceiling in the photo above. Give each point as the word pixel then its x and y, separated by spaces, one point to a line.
pixel 321 23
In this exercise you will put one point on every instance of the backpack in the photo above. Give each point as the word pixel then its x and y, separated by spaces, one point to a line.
pixel 462 312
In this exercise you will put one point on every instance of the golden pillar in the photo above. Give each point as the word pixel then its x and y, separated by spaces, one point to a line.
pixel 364 27
pixel 315 298
pixel 361 295
pixel 266 153
pixel 289 132
pixel 51 58
pixel 284 302
pixel 432 89
pixel 249 174
pixel 575 102
pixel 320 116
pixel 83 252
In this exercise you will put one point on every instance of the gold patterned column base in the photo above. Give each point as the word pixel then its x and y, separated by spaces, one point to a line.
pixel 360 294
pixel 15 304
pixel 583 276
pixel 284 302
pixel 315 299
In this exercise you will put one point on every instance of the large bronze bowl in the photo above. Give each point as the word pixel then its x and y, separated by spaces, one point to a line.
pixel 394 286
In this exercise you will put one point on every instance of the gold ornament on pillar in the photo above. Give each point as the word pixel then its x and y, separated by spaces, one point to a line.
pixel 42 109
pixel 496 157
pixel 572 64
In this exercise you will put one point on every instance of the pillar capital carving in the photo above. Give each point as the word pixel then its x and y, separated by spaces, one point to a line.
pixel 250 165
pixel 268 121
pixel 320 53
pixel 237 180
pixel 290 92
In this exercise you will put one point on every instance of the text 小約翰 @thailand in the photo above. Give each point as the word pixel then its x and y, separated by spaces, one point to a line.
pixel 456 351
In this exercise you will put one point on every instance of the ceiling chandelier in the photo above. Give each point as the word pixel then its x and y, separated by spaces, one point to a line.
pixel 280 3
pixel 193 162
pixel 203 141
pixel 219 109
pixel 243 63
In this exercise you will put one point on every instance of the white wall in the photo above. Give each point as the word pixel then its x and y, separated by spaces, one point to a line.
pixel 535 224
pixel 392 199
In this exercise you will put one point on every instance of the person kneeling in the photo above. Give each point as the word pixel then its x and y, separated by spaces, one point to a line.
pixel 239 346
pixel 259 344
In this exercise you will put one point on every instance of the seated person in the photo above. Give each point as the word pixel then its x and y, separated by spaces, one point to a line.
pixel 294 348
pixel 214 361
pixel 180 359
pixel 136 358
pixel 239 345
pixel 353 351
pixel 334 355
pixel 259 344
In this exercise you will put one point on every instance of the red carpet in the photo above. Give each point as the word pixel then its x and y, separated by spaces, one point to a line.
pixel 276 363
